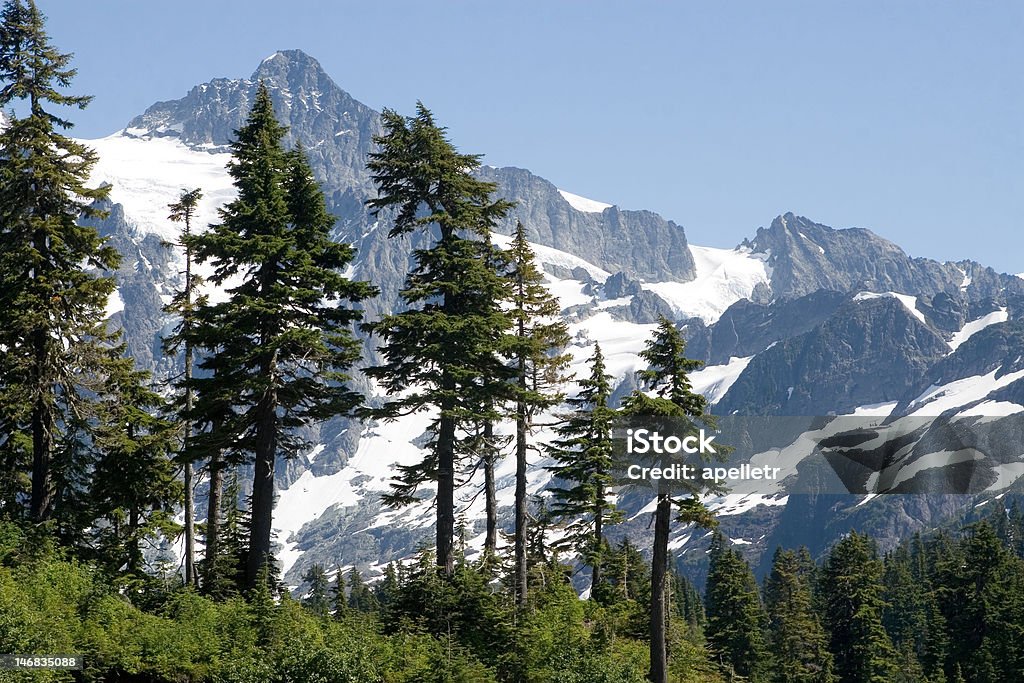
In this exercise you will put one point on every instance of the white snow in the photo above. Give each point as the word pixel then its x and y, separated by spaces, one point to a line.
pixel 1006 474
pixel 621 343
pixel 715 380
pixel 309 497
pixel 992 409
pixel 583 204
pixel 874 409
pixel 149 174
pixel 975 326
pixel 937 399
pixel 738 503
pixel 115 304
pixel 724 276
pixel 910 302
pixel 554 257
pixel 315 453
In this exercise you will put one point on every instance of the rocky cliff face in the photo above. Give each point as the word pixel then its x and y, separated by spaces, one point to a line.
pixel 640 244
pixel 868 351
pixel 807 256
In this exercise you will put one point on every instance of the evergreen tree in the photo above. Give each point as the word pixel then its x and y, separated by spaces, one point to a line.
pixel 979 594
pixel 339 599
pixel 626 575
pixel 133 491
pixel 851 586
pixel 387 591
pixel 537 339
pixel 317 599
pixel 675 401
pixel 51 300
pixel 686 601
pixel 183 303
pixel 582 452
pixel 796 638
pixel 275 346
pixel 441 352
pixel 905 611
pixel 735 618
pixel 360 597
pixel 226 569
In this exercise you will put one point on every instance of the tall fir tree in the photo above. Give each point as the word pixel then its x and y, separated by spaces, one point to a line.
pixel 735 617
pixel 675 401
pixel 582 451
pixel 133 491
pixel 535 346
pixel 275 345
pixel 796 639
pixel 851 587
pixel 317 600
pixel 442 350
pixel 52 301
pixel 183 303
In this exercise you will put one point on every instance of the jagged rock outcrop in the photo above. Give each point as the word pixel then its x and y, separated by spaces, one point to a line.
pixel 807 256
pixel 868 351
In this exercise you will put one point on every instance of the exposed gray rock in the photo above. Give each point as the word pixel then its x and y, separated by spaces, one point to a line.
pixel 868 351
pixel 640 243
pixel 807 256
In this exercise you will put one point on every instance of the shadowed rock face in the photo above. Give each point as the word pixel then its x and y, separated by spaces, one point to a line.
pixel 869 351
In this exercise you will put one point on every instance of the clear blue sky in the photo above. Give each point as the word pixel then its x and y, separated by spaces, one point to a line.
pixel 903 117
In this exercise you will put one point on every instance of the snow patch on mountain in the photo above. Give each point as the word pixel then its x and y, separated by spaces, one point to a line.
pixel 147 175
pixel 875 409
pixel 993 410
pixel 714 381
pixel 934 460
pixel 724 276
pixel 910 302
pixel 115 304
pixel 975 326
pixel 936 400
pixel 583 204
pixel 554 257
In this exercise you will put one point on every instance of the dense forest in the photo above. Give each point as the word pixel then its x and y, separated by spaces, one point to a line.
pixel 99 457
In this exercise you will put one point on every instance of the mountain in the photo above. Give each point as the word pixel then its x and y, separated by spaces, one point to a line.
pixel 800 320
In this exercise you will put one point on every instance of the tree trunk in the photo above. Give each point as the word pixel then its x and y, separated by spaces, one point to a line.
pixel 659 565
pixel 520 531
pixel 263 482
pixel 134 553
pixel 213 505
pixel 190 505
pixel 595 569
pixel 446 493
pixel 42 435
pixel 190 527
pixel 490 495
